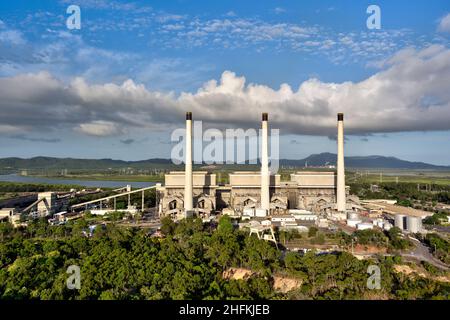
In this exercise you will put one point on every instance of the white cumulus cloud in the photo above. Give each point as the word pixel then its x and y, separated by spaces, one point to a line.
pixel 410 93
pixel 444 24
pixel 100 128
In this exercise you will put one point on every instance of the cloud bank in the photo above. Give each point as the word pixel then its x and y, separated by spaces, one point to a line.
pixel 180 32
pixel 444 24
pixel 410 93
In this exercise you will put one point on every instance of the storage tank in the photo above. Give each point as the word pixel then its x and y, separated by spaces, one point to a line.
pixel 260 212
pixel 380 223
pixel 414 224
pixel 353 222
pixel 364 226
pixel 400 221
pixel 387 226
pixel 352 215
pixel 249 212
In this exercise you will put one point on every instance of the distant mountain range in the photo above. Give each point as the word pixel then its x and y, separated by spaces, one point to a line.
pixel 378 162
pixel 73 163
pixel 315 160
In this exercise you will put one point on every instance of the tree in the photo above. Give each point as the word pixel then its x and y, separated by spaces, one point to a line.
pixel 312 232
pixel 124 263
pixel 439 246
pixel 116 215
pixel 225 225
pixel 370 237
pixel 78 226
pixel 6 229
pixel 260 255
pixel 435 219
pixel 395 239
pixel 167 226
pixel 318 239
pixel 188 227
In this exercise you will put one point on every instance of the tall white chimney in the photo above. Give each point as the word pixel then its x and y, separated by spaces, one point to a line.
pixel 188 201
pixel 265 175
pixel 340 192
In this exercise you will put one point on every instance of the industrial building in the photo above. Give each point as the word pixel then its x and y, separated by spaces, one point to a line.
pixel 255 193
pixel 7 213
pixel 405 218
pixel 411 224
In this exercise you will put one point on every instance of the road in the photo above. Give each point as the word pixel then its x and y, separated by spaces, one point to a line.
pixel 422 252
pixel 141 224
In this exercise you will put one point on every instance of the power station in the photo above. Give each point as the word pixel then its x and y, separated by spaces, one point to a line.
pixel 254 193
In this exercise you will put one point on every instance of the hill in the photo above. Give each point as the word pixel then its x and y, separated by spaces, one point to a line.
pixel 315 160
pixel 323 159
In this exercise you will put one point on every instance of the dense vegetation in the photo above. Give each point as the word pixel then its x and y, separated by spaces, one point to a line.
pixel 439 246
pixel 125 263
pixel 436 219
pixel 402 192
pixel 34 187
pixel 49 163
pixel 392 240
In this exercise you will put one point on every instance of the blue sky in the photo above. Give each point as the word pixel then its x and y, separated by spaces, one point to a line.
pixel 117 87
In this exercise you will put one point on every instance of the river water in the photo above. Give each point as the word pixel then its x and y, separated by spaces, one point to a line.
pixel 85 183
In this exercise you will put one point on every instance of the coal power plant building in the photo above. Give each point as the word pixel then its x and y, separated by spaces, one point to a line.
pixel 189 192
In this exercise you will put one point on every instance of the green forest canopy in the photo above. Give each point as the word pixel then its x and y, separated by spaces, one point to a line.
pixel 125 263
